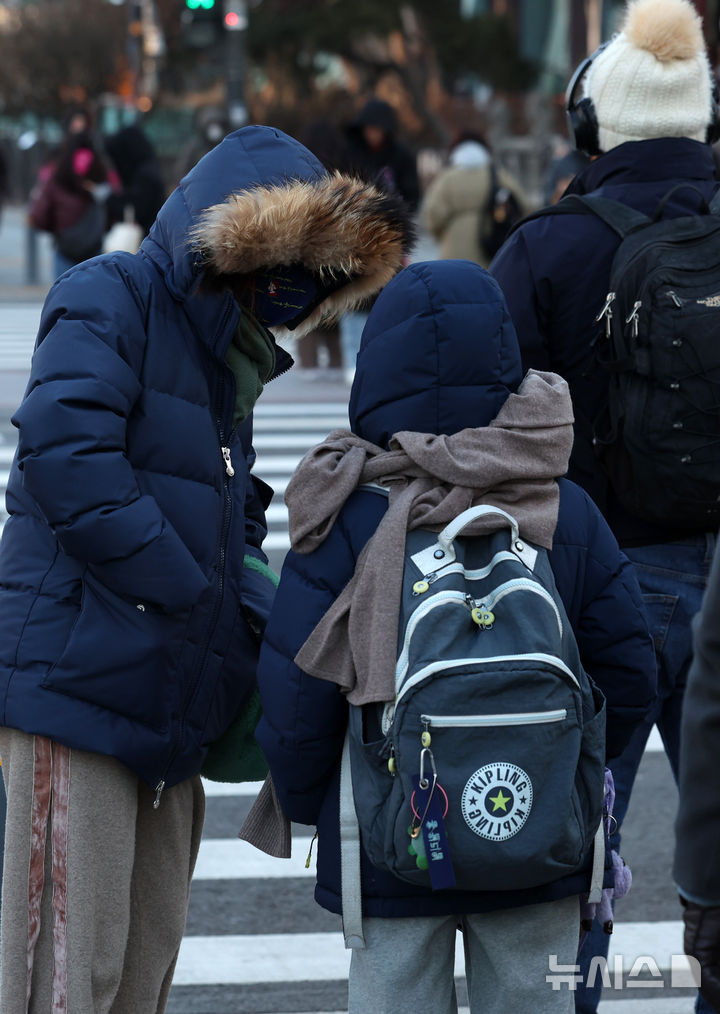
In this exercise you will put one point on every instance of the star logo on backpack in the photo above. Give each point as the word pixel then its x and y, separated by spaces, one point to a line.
pixel 496 801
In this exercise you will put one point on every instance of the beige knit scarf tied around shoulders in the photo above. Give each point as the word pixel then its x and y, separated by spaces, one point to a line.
pixel 512 463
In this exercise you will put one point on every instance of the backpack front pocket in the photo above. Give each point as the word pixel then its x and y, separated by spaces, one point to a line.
pixel 507 780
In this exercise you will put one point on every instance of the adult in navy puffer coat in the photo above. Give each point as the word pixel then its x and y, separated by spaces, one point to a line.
pixel 128 624
pixel 439 355
pixel 650 94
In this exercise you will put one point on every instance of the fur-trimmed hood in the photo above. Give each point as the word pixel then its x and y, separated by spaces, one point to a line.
pixel 260 200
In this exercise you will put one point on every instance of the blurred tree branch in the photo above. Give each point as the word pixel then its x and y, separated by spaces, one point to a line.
pixel 50 51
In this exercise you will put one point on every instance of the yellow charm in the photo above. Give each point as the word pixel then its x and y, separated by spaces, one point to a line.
pixel 483 617
pixel 391 766
pixel 425 738
pixel 420 587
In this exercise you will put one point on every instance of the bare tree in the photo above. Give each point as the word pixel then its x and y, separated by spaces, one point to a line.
pixel 51 52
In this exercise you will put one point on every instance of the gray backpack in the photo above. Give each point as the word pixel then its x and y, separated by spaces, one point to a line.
pixel 486 773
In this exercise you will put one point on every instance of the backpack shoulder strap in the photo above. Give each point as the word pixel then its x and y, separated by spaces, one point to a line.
pixel 351 887
pixel 621 218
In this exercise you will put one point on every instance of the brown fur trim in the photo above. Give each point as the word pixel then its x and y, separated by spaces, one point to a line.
pixel 337 226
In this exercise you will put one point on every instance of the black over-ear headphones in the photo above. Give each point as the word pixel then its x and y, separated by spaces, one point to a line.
pixel 582 118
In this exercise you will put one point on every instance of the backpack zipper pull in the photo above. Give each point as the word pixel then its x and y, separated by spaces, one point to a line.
pixel 633 317
pixel 158 792
pixel 675 298
pixel 607 313
pixel 480 613
pixel 228 461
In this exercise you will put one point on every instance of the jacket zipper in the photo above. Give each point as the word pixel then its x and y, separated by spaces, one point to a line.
pixel 197 679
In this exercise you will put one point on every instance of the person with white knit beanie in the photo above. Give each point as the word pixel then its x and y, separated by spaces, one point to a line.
pixel 644 107
pixel 654 78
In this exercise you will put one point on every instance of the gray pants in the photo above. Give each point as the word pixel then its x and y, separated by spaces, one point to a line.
pixel 96 882
pixel 407 965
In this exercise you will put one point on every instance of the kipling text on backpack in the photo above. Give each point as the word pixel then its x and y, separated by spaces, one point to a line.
pixel 659 436
pixel 487 771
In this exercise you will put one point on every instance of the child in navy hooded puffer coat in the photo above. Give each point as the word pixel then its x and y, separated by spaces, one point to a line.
pixel 438 362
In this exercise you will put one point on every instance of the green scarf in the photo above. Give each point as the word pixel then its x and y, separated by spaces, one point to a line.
pixel 251 357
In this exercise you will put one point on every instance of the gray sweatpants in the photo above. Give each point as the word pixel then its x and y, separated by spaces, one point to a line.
pixel 96 881
pixel 407 965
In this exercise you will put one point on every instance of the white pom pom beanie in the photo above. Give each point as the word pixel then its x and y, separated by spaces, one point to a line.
pixel 654 78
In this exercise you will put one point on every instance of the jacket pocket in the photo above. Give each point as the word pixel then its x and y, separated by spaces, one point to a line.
pixel 118 656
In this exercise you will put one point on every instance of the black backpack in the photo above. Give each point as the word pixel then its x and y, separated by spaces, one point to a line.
pixel 501 213
pixel 658 436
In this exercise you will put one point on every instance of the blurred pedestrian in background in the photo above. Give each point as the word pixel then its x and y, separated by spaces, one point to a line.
pixel 69 198
pixel 697 832
pixel 319 349
pixel 376 153
pixel 210 127
pixel 642 106
pixel 133 586
pixel 458 205
pixel 142 192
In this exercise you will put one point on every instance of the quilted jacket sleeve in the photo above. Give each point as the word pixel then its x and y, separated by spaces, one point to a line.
pixel 304 718
pixel 599 589
pixel 72 434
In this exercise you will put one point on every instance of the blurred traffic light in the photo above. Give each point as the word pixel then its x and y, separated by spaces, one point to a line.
pixel 235 15
pixel 201 23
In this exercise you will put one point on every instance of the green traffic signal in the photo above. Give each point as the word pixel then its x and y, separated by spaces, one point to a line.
pixel 200 5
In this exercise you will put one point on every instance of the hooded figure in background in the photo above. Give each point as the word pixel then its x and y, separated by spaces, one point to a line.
pixel 375 153
pixel 439 363
pixel 133 585
pixel 143 188
pixel 457 206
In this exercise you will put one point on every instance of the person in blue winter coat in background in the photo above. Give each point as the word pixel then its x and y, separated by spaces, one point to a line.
pixel 133 587
pixel 439 361
pixel 643 105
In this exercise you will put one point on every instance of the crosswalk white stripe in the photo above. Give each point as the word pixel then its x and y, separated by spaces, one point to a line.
pixel 222 858
pixel 307 957
pixel 231 788
pixel 273 441
pixel 277 463
pixel 289 408
pixel 268 423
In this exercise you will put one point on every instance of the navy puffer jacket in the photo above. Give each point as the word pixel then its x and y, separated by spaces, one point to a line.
pixel 128 625
pixel 439 354
pixel 555 272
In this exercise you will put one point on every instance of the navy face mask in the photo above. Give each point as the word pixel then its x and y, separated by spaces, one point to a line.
pixel 284 295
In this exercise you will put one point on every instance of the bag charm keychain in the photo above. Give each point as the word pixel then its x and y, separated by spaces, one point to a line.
pixel 429 843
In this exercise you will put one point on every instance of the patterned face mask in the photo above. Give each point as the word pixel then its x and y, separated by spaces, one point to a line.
pixel 283 294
